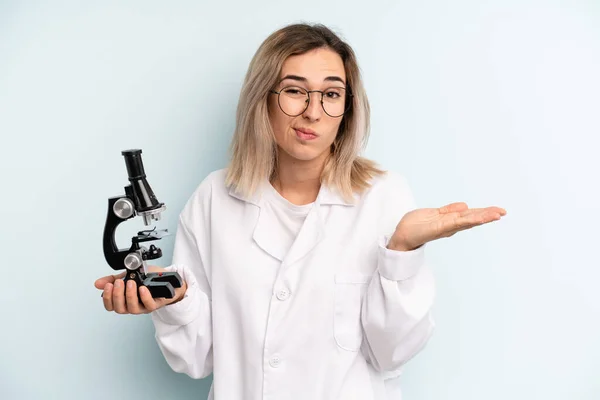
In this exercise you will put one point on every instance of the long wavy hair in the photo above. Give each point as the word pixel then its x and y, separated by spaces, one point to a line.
pixel 253 148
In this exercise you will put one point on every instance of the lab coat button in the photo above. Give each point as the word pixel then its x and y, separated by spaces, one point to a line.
pixel 275 361
pixel 283 294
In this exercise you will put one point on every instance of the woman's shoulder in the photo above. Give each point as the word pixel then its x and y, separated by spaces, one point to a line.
pixel 210 187
pixel 214 181
pixel 391 182
pixel 390 194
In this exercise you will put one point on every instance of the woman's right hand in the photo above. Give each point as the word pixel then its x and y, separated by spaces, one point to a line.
pixel 124 300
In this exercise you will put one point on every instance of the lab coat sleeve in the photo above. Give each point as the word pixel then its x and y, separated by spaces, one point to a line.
pixel 396 314
pixel 183 330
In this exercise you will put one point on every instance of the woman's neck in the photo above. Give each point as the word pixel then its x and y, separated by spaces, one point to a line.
pixel 298 181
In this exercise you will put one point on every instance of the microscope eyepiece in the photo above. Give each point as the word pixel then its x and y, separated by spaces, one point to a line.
pixel 145 201
pixel 134 164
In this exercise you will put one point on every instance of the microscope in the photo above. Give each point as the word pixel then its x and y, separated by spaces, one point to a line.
pixel 138 200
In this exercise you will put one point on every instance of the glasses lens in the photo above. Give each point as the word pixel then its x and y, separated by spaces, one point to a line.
pixel 293 100
pixel 334 101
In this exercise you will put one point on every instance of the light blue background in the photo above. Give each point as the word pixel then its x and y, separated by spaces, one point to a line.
pixel 488 102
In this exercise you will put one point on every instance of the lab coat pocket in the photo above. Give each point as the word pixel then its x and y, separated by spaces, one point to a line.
pixel 349 291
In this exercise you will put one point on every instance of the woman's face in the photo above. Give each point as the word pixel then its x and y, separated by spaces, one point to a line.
pixel 309 135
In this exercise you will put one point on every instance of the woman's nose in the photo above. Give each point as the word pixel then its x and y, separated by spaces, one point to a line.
pixel 314 111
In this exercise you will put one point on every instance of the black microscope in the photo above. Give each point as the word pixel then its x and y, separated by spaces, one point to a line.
pixel 139 199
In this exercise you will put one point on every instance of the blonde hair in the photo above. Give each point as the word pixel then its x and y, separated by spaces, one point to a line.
pixel 253 148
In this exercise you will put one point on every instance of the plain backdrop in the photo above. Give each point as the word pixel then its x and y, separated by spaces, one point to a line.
pixel 489 102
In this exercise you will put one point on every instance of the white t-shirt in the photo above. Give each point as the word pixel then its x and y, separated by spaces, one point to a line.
pixel 286 217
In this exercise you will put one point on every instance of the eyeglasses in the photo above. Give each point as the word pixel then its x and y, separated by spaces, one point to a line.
pixel 294 100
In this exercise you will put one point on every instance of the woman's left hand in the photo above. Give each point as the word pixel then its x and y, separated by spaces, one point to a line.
pixel 423 225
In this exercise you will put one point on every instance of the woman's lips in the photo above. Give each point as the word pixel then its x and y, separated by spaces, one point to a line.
pixel 305 134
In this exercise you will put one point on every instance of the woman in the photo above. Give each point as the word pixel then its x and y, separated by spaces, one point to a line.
pixel 303 262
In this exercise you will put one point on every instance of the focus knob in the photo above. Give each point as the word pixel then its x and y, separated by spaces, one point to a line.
pixel 123 208
pixel 133 261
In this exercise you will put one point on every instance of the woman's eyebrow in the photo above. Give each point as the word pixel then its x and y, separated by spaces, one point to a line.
pixel 335 79
pixel 304 80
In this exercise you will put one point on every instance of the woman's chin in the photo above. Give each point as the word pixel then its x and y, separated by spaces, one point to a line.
pixel 304 154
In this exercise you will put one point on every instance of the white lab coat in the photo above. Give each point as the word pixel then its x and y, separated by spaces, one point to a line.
pixel 336 318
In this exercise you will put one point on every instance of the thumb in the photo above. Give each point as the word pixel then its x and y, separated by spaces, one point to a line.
pixel 101 282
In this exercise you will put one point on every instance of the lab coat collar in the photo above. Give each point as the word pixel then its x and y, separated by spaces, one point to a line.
pixel 254 198
pixel 312 231
pixel 327 196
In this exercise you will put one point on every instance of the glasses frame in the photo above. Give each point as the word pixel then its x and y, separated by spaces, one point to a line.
pixel 347 106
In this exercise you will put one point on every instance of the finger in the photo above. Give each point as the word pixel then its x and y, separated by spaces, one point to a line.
pixel 473 219
pixel 456 222
pixel 470 211
pixel 119 297
pixel 107 297
pixel 481 213
pixel 149 303
pixel 131 298
pixel 486 216
pixel 453 207
pixel 101 282
pixel 497 210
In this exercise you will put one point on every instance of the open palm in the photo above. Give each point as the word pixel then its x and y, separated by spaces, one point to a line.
pixel 423 225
